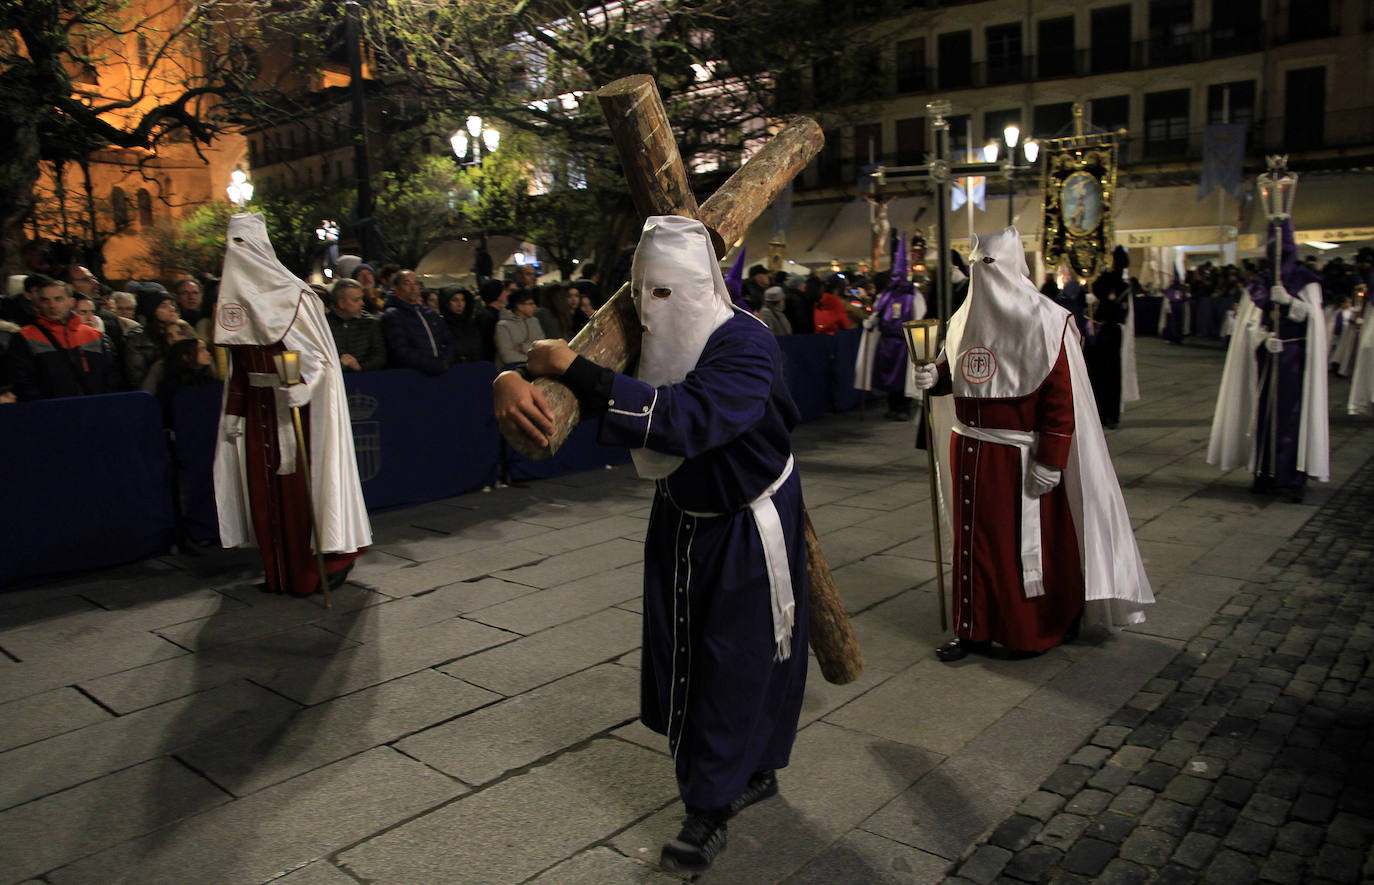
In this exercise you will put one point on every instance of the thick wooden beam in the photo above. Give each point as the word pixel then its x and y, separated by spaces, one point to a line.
pixel 756 184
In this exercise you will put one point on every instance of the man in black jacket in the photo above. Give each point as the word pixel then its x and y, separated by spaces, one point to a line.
pixel 357 334
pixel 416 337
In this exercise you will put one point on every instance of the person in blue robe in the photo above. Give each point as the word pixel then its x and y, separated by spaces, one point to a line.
pixel 898 304
pixel 1175 306
pixel 724 658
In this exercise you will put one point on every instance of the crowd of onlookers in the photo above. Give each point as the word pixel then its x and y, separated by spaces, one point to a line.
pixel 79 336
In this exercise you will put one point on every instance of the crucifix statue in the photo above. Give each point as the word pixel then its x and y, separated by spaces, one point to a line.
pixel 657 180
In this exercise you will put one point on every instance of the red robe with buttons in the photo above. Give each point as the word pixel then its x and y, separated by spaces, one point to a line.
pixel 988 594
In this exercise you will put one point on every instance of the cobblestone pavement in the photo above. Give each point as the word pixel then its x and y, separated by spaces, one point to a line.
pixel 1250 756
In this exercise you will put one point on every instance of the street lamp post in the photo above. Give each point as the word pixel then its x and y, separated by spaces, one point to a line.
pixel 476 138
pixel 1011 136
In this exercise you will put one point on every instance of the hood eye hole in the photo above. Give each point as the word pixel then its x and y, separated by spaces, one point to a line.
pixel 238 239
pixel 988 259
pixel 661 292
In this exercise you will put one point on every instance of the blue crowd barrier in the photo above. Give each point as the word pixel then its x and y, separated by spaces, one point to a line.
pixel 89 485
pixel 418 438
pixel 580 451
pixel 808 368
pixel 1146 309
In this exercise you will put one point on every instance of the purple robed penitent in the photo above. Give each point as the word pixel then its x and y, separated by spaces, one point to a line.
pixel 1290 364
pixel 734 281
pixel 1175 302
pixel 895 305
pixel 711 679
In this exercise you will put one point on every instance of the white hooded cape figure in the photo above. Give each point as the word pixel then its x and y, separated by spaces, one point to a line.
pixel 1039 524
pixel 708 417
pixel 1295 352
pixel 259 488
pixel 1361 397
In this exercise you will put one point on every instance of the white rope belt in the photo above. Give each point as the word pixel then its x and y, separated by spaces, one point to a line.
pixel 769 526
pixel 1032 563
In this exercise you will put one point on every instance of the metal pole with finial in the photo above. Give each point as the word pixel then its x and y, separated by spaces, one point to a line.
pixel 923 343
pixel 289 371
pixel 1277 187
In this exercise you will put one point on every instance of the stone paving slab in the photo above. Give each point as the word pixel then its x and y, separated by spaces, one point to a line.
pixel 864 857
pixel 69 759
pixel 258 838
pixel 64 827
pixel 245 760
pixel 470 840
pixel 378 662
pixel 45 715
pixel 531 661
pixel 122 652
pixel 484 745
pixel 566 602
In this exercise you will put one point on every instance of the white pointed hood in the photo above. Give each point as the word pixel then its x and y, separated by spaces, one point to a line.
pixel 682 299
pixel 258 296
pixel 1004 339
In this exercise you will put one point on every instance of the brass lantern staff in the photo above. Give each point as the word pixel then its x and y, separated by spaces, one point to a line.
pixel 289 371
pixel 923 344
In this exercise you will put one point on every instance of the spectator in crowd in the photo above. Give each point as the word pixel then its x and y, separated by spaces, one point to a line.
pixel 416 337
pixel 754 287
pixel 8 333
pixel 585 311
pixel 84 307
pixel 102 298
pixel 589 284
pixel 386 280
pixel 1050 288
pixel 526 276
pixel 125 306
pixel 189 298
pixel 554 313
pixel 494 294
pixel 23 309
pixel 459 310
pixel 188 364
pixel 773 314
pixel 149 294
pixel 58 355
pixel 145 348
pixel 517 330
pixel 830 315
pixel 366 277
pixel 430 298
pixel 357 334
pixel 801 312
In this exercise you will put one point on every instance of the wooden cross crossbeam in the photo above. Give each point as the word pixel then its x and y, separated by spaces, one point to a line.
pixel 658 183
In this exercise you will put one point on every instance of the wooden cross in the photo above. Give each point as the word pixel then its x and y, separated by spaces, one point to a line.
pixel 658 183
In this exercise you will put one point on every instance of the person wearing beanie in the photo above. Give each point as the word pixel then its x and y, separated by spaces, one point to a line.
pixel 759 280
pixel 772 314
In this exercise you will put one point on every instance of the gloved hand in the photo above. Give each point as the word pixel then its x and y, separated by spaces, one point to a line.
pixel 926 376
pixel 1279 295
pixel 1090 297
pixel 871 322
pixel 1297 311
pixel 296 395
pixel 1273 344
pixel 1041 479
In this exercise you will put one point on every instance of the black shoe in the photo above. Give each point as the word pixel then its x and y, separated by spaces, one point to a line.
pixel 762 785
pixel 701 840
pixel 958 649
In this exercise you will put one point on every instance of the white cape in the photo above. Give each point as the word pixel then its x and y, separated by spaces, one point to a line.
pixel 261 299
pixel 1232 440
pixel 1362 376
pixel 1116 586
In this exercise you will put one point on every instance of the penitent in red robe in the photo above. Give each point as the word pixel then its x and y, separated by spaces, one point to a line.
pixel 989 596
pixel 280 510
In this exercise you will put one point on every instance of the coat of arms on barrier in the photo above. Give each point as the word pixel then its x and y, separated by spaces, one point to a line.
pixel 367 435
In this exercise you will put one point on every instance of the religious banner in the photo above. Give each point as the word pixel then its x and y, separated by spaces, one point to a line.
pixel 1223 159
pixel 1080 188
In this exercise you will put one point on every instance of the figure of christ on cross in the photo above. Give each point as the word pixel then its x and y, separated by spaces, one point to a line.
pixel 707 415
